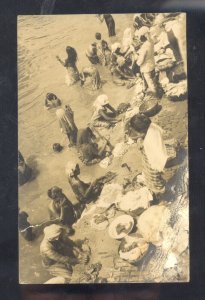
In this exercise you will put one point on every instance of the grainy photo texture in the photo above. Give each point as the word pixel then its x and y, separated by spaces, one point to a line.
pixel 103 148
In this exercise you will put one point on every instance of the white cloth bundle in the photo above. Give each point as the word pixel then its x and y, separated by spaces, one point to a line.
pixel 154 147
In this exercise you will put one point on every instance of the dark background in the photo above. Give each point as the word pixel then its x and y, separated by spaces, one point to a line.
pixel 195 290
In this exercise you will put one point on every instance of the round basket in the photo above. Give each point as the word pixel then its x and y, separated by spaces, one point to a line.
pixel 149 108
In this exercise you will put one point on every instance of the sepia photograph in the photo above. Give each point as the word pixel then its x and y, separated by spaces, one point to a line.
pixel 103 168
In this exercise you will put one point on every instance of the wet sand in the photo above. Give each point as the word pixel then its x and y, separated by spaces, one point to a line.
pixel 39 73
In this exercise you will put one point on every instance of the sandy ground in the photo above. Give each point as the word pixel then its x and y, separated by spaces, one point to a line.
pixel 38 130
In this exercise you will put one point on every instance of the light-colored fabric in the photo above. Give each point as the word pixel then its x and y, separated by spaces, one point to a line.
pixel 72 75
pixel 115 46
pixel 142 31
pixel 154 147
pixel 99 103
pixel 52 232
pixel 162 41
pixel 56 280
pixel 120 61
pixel 150 81
pixel 62 117
pixel 146 57
pixel 70 167
pixel 127 38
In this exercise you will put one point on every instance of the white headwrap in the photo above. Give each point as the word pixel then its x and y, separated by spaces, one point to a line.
pixel 52 232
pixel 115 46
pixel 100 101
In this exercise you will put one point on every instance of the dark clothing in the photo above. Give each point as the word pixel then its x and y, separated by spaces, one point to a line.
pixel 24 171
pixel 87 147
pixel 23 224
pixel 86 192
pixel 88 152
pixel 91 54
pixel 65 210
pixel 110 24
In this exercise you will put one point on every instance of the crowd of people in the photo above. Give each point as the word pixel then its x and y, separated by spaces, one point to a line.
pixel 149 53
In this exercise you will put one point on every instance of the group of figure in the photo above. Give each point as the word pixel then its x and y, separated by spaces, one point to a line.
pixel 132 58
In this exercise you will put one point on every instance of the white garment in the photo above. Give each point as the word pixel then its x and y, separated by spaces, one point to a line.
pixel 98 105
pixel 56 280
pixel 127 39
pixel 154 148
pixel 146 57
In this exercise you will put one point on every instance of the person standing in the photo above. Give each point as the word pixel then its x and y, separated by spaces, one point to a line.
pixel 72 75
pixel 103 51
pixel 67 124
pixel 145 60
pixel 109 22
pixel 150 142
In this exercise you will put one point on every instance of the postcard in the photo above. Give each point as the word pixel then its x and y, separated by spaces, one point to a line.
pixel 103 148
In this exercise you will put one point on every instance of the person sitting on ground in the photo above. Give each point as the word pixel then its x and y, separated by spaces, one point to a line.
pixel 59 253
pixel 91 54
pixel 62 208
pixel 84 192
pixel 52 101
pixel 90 78
pixel 104 114
pixel 89 149
pixel 25 227
pixel 103 51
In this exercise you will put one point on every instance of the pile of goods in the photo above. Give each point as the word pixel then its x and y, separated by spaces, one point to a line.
pixel 176 91
pixel 151 223
pixel 135 201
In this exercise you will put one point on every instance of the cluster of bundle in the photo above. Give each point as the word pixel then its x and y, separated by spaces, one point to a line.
pixel 164 63
pixel 176 91
pixel 152 222
pixel 137 200
pixel 109 195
